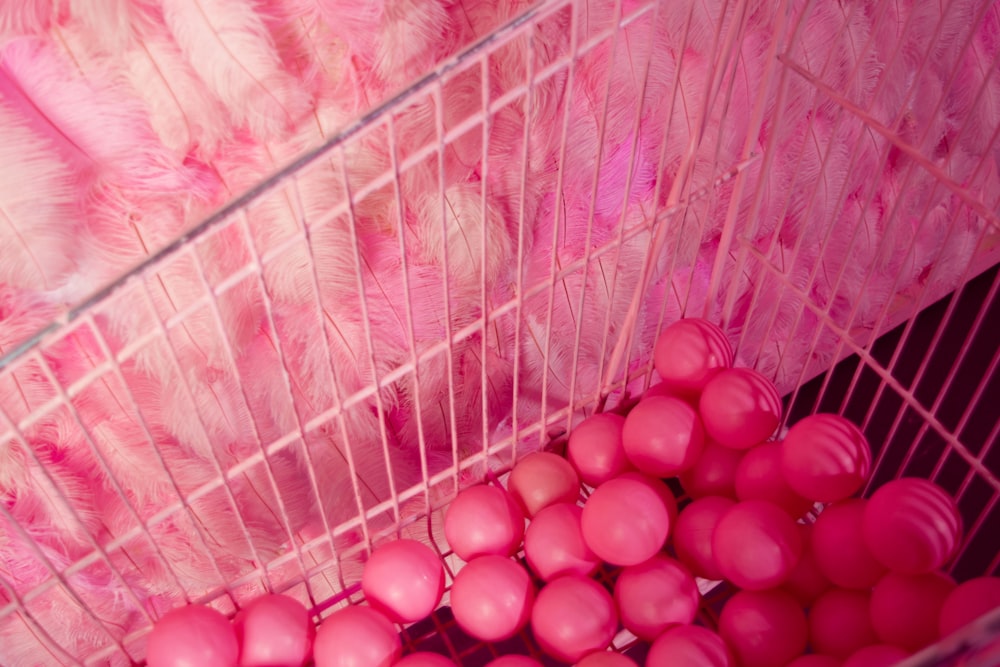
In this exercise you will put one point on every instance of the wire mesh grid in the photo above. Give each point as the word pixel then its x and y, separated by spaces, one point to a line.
pixel 305 498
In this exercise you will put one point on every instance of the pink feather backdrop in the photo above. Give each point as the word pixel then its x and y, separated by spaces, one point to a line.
pixel 126 122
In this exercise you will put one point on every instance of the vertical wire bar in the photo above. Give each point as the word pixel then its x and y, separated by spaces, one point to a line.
pixel 485 307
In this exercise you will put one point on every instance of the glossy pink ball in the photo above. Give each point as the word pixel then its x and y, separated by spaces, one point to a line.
pixel 806 581
pixel 740 408
pixel 606 659
pixel 756 545
pixel 663 436
pixel 483 520
pixel 514 661
pixel 403 579
pixel 426 660
pixel 969 601
pixel 764 628
pixel 274 631
pixel 840 548
pixel 689 351
pixel 825 457
pixel 879 655
pixel 911 525
pixel 689 646
pixel 714 473
pixel 654 595
pixel 626 520
pixel 356 636
pixel 192 635
pixel 670 389
pixel 491 598
pixel 840 623
pixel 759 477
pixel 554 545
pixel 661 489
pixel 595 448
pixel 906 608
pixel 693 535
pixel 573 616
pixel 541 479
pixel 814 660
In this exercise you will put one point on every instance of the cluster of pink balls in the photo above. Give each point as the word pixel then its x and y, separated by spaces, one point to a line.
pixel 605 547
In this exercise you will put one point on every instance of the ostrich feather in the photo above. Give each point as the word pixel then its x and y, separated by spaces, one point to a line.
pixel 227 43
pixel 20 18
pixel 412 37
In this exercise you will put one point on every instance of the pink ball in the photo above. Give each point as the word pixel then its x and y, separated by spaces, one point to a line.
pixel 693 535
pixel 404 580
pixel 840 623
pixel 764 628
pixel 906 608
pixel 491 598
pixel 652 596
pixel 756 545
pixel 714 473
pixel 663 436
pixel 661 489
pixel 689 646
pixel 426 660
pixel 274 631
pixel 759 477
pixel 740 408
pixel 541 479
pixel 826 458
pixel 840 547
pixel 514 661
pixel 670 389
pixel 554 545
pixel 595 448
pixel 606 659
pixel 626 520
pixel 968 602
pixel 572 617
pixel 806 581
pixel 814 660
pixel 192 635
pixel 879 655
pixel 911 525
pixel 356 636
pixel 689 351
pixel 483 520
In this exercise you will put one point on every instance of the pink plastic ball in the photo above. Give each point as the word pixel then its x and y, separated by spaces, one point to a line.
pixel 911 525
pixel 740 408
pixel 404 580
pixel 426 660
pixel 595 448
pixel 652 596
pixel 670 389
pixel 689 646
pixel 554 545
pixel 663 436
pixel 825 457
pixel 514 661
pixel 693 535
pixel 661 489
pixel 606 659
pixel 483 520
pixel 756 545
pixel 879 655
pixel 274 631
pixel 840 547
pixel 356 636
pixel 714 473
pixel 491 598
pixel 541 479
pixel 689 351
pixel 814 660
pixel 906 608
pixel 759 477
pixel 806 581
pixel 969 601
pixel 626 520
pixel 573 616
pixel 192 635
pixel 840 623
pixel 764 628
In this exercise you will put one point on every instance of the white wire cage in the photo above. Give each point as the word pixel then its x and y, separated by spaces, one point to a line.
pixel 375 351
